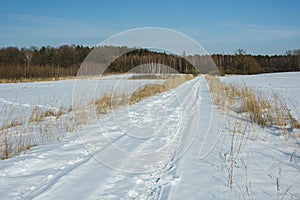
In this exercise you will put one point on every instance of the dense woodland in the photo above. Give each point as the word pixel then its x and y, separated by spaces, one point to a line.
pixel 48 62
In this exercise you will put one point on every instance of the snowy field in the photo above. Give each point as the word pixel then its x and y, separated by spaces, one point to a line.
pixel 175 145
pixel 22 98
pixel 285 84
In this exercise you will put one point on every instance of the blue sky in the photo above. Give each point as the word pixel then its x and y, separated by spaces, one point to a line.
pixel 257 26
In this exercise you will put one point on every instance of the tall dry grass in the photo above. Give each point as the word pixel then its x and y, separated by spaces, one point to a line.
pixel 109 102
pixel 154 89
pixel 18 133
pixel 261 108
pixel 44 126
pixel 14 135
pixel 38 79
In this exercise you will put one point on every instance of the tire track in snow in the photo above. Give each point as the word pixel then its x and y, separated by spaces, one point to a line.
pixel 171 171
pixel 64 171
pixel 152 183
pixel 155 182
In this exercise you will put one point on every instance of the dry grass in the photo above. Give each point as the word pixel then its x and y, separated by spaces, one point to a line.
pixel 11 124
pixel 153 89
pixel 42 127
pixel 231 159
pixel 109 102
pixel 18 134
pixel 149 76
pixel 62 111
pixel 263 109
pixel 27 80
pixel 38 115
pixel 146 91
pixel 238 142
pixel 218 91
pixel 15 140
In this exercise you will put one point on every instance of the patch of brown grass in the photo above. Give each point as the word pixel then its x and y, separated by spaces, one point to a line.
pixel 61 111
pixel 154 89
pixel 18 136
pixel 218 91
pixel 11 124
pixel 263 109
pixel 146 91
pixel 109 102
pixel 37 115
pixel 27 80
pixel 14 141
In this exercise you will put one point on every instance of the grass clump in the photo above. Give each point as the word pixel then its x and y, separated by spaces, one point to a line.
pixel 154 89
pixel 37 79
pixel 14 140
pixel 11 124
pixel 18 133
pixel 147 76
pixel 109 102
pixel 43 125
pixel 37 115
pixel 61 111
pixel 146 91
pixel 261 108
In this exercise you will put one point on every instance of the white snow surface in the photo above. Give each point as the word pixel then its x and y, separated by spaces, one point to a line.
pixel 286 84
pixel 156 149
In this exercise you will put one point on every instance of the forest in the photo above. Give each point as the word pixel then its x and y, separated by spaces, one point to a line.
pixel 64 61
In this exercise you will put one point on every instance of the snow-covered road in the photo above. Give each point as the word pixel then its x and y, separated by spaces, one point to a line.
pixel 134 152
pixel 156 149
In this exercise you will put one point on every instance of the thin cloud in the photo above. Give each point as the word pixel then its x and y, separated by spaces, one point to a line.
pixel 283 32
pixel 33 19
pixel 48 27
pixel 266 32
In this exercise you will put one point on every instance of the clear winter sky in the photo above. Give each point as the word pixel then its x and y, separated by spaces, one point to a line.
pixel 257 26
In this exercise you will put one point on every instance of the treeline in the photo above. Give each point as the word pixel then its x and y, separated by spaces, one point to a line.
pixel 242 63
pixel 41 62
pixel 151 62
pixel 48 62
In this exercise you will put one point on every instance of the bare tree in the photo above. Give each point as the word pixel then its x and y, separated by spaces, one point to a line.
pixel 28 57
